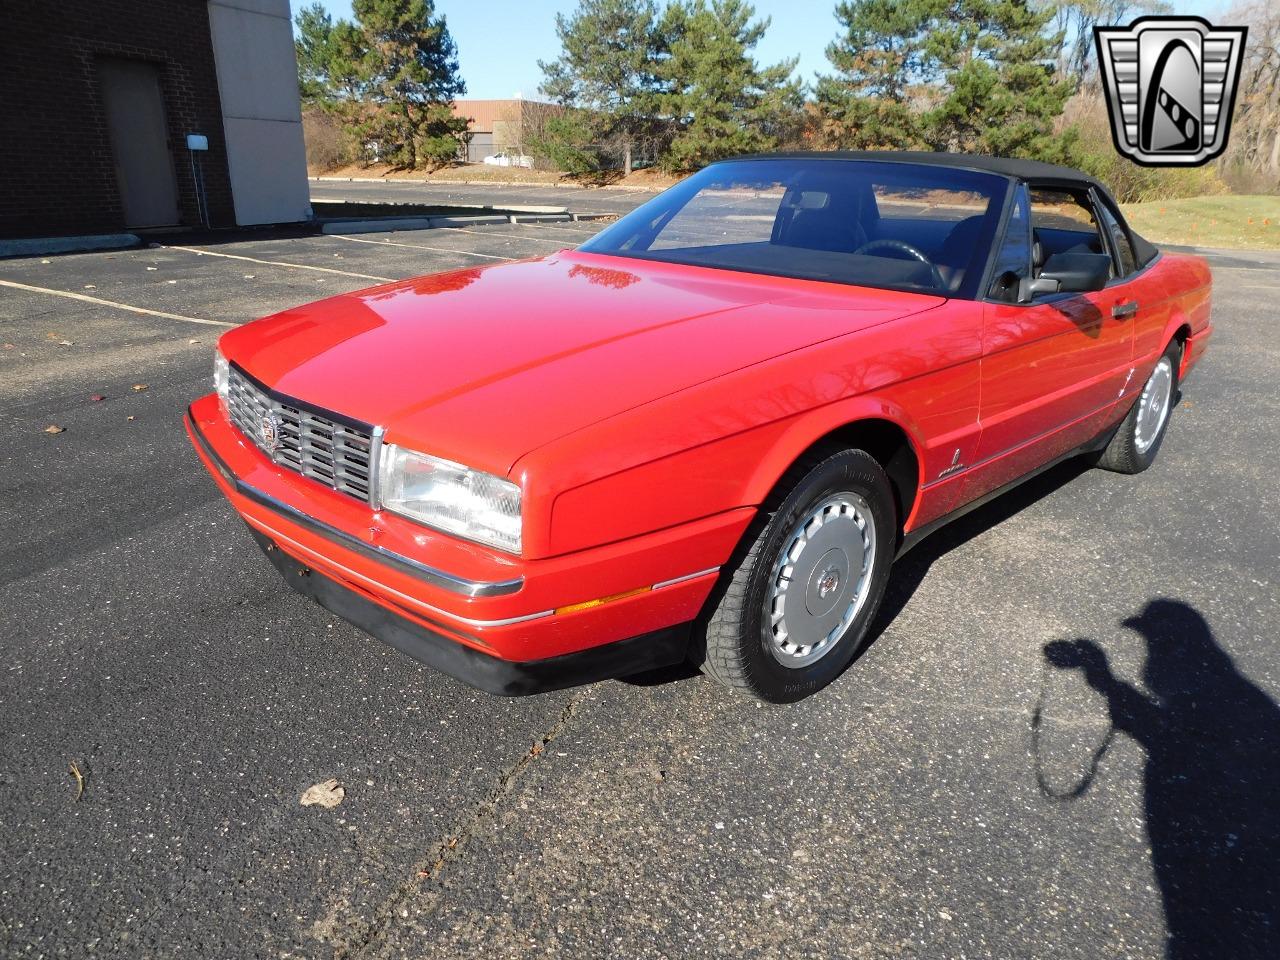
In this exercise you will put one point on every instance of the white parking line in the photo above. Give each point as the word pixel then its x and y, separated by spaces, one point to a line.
pixel 111 303
pixel 558 227
pixel 417 246
pixel 275 263
pixel 509 236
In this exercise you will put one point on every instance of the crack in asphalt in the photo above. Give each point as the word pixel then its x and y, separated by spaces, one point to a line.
pixel 364 936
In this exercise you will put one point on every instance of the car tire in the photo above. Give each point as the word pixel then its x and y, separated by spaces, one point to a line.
pixel 1137 440
pixel 793 607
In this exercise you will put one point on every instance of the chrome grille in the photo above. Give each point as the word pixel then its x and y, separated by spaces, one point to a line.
pixel 313 443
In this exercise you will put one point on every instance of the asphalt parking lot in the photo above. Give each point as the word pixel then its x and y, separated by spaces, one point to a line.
pixel 961 792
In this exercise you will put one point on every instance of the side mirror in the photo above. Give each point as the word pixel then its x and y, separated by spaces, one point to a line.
pixel 1078 272
pixel 1029 288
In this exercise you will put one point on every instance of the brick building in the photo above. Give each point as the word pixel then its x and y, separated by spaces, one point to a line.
pixel 500 126
pixel 99 97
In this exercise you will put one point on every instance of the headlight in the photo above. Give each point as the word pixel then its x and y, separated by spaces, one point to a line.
pixel 221 375
pixel 450 497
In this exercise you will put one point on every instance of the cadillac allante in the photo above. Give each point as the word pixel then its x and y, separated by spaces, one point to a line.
pixel 706 433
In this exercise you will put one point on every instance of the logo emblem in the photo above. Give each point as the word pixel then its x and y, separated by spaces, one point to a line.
pixel 1171 85
pixel 269 432
pixel 830 580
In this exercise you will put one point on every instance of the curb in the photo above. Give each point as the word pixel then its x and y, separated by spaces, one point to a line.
pixel 489 183
pixel 541 218
pixel 36 246
pixel 396 224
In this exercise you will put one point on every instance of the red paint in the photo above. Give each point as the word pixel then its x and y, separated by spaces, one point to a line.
pixel 647 408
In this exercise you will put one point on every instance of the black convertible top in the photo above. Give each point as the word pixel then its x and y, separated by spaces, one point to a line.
pixel 1035 170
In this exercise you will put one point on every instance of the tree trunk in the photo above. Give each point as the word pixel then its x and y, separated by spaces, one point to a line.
pixel 626 158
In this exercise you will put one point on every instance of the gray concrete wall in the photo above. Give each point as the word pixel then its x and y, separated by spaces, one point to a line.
pixel 261 111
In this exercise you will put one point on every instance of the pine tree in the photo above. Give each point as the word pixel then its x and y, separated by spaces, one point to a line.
pixel 606 71
pixel 963 75
pixel 1002 90
pixel 408 67
pixel 392 75
pixel 880 59
pixel 721 102
pixel 313 37
pixel 327 54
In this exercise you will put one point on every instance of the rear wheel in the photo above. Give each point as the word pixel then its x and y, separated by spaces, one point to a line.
pixel 1138 439
pixel 795 607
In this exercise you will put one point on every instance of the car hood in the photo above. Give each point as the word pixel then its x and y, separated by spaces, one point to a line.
pixel 484 365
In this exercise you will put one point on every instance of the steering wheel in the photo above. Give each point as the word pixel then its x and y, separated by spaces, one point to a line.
pixel 912 252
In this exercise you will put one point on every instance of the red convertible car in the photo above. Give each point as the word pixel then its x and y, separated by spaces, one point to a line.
pixel 707 432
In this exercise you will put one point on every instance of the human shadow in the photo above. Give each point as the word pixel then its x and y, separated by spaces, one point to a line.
pixel 1212 781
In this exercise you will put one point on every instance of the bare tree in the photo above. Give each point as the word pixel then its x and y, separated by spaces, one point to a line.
pixel 1254 149
pixel 1074 22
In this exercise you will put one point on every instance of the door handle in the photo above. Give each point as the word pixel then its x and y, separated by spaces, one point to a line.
pixel 1123 311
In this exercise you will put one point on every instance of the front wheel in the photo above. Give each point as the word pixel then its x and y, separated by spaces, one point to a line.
pixel 795 607
pixel 1140 434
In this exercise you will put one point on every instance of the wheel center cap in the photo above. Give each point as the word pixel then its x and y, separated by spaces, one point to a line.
pixel 827 583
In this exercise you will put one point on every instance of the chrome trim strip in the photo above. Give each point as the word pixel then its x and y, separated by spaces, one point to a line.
pixel 688 576
pixel 375 463
pixel 412 602
pixel 431 575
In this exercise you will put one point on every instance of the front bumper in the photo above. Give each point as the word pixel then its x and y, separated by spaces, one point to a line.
pixel 508 678
pixel 448 593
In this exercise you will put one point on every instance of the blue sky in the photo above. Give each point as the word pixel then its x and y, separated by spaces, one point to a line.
pixel 501 41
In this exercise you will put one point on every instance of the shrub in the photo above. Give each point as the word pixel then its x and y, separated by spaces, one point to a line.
pixel 329 146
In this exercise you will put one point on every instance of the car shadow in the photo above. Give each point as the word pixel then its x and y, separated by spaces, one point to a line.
pixel 1212 780
pixel 910 570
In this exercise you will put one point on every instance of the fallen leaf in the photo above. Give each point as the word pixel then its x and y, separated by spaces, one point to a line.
pixel 91 286
pixel 194 340
pixel 9 346
pixel 80 778
pixel 66 343
pixel 54 428
pixel 98 397
pixel 327 794
pixel 139 387
pixel 128 418
pixel 249 276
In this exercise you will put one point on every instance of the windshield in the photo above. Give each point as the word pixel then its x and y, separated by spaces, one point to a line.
pixel 901 226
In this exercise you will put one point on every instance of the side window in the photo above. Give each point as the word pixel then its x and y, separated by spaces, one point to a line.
pixel 1063 222
pixel 1124 249
pixel 1013 259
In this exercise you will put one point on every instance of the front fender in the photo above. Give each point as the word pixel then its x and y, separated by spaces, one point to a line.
pixel 805 431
